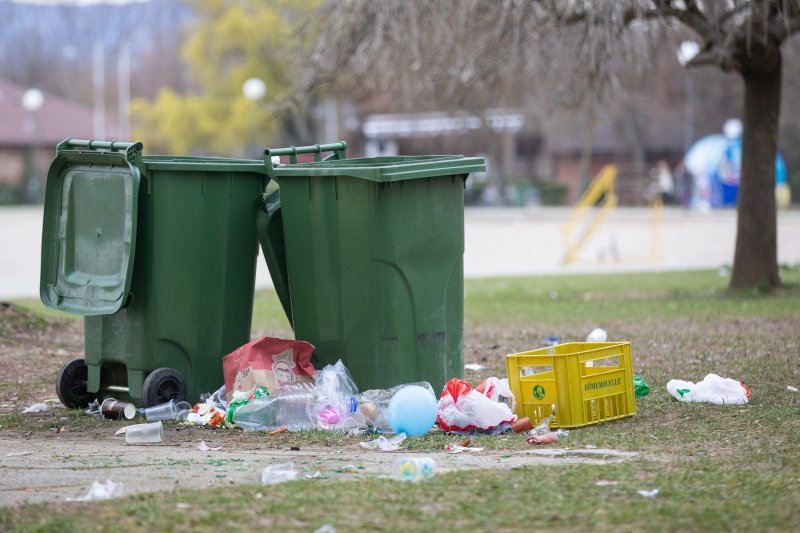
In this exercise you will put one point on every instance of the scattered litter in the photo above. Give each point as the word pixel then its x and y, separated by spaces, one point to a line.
pixel 462 408
pixel 454 447
pixel 789 388
pixel 554 295
pixel 121 431
pixel 597 335
pixel 18 454
pixel 412 410
pixel 278 431
pixel 640 387
pixel 591 447
pixel 203 446
pixel 206 414
pixel 521 425
pixel 115 409
pixel 327 528
pixel 713 389
pixel 475 367
pixel 383 444
pixel 169 411
pixel 316 475
pixel 605 483
pixel 542 428
pixel 36 408
pixel 182 506
pixel 552 340
pixel 144 433
pixel 547 438
pixel 278 473
pixel 100 491
pixel 414 468
pixel 649 493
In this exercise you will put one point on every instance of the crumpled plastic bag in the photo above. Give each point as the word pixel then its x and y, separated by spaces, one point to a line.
pixel 462 408
pixel 100 491
pixel 336 395
pixel 498 390
pixel 713 389
pixel 278 473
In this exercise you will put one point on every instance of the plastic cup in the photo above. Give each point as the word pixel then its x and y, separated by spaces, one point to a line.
pixel 165 411
pixel 150 433
pixel 112 408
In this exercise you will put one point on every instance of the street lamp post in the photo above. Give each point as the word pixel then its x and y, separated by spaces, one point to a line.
pixel 32 101
pixel 254 90
pixel 686 53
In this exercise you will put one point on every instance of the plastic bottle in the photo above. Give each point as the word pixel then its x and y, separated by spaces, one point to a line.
pixel 292 410
pixel 414 469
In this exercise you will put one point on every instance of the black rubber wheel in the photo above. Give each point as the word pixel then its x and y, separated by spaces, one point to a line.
pixel 163 385
pixel 71 385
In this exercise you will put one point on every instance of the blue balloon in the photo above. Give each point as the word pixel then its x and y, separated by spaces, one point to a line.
pixel 412 410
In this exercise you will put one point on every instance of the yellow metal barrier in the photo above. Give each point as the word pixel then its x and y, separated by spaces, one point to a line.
pixel 602 186
pixel 584 220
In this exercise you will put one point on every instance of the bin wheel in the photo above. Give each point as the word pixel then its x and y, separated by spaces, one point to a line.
pixel 163 385
pixel 71 385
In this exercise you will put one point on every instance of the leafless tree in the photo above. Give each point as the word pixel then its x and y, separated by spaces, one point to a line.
pixel 457 51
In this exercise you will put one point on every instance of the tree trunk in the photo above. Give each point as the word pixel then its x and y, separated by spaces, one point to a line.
pixel 755 261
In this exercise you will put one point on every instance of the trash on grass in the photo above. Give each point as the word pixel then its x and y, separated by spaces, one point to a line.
pixel 597 335
pixel 546 438
pixel 462 408
pixel 18 454
pixel 551 340
pixel 278 473
pixel 640 388
pixel 150 433
pixel 789 388
pixel 605 483
pixel 383 444
pixel 36 408
pixel 100 491
pixel 412 410
pixel 270 362
pixel 713 389
pixel 649 493
pixel 455 447
pixel 115 409
pixel 168 411
pixel 327 528
pixel 206 414
pixel 203 446
pixel 373 404
pixel 474 367
pixel 414 468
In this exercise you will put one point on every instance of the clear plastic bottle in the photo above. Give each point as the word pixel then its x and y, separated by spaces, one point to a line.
pixel 293 410
pixel 414 468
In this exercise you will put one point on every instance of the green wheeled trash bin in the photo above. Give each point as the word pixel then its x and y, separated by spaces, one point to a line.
pixel 375 261
pixel 158 253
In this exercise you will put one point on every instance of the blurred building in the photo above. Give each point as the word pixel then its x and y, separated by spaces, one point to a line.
pixel 28 138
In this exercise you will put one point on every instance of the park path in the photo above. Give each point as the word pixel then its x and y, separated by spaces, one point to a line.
pixel 498 242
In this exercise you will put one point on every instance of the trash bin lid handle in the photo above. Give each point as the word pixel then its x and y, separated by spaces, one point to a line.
pixel 339 150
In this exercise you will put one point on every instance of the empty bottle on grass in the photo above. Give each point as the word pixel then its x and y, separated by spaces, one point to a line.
pixel 291 410
pixel 414 468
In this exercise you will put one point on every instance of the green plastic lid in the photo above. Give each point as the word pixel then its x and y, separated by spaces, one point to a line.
pixel 89 230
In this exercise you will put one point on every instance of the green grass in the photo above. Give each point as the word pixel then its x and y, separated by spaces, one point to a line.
pixel 717 467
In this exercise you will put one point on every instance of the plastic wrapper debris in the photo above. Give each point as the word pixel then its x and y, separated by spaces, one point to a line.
pixel 373 404
pixel 100 491
pixel 498 390
pixel 278 473
pixel 336 399
pixel 462 408
pixel 597 335
pixel 649 493
pixel 273 363
pixel 640 387
pixel 713 389
pixel 454 447
pixel 203 446
pixel 293 410
pixel 789 388
pixel 383 444
pixel 36 408
pixel 219 397
pixel 206 414
pixel 414 469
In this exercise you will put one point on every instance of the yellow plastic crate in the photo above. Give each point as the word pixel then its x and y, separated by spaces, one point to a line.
pixel 580 383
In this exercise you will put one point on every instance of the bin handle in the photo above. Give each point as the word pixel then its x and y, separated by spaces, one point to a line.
pixel 131 149
pixel 339 150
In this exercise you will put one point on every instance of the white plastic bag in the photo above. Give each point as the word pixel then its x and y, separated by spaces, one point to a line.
pixel 462 408
pixel 713 389
pixel 498 390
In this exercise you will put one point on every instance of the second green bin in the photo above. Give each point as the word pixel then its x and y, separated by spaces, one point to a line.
pixel 374 256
